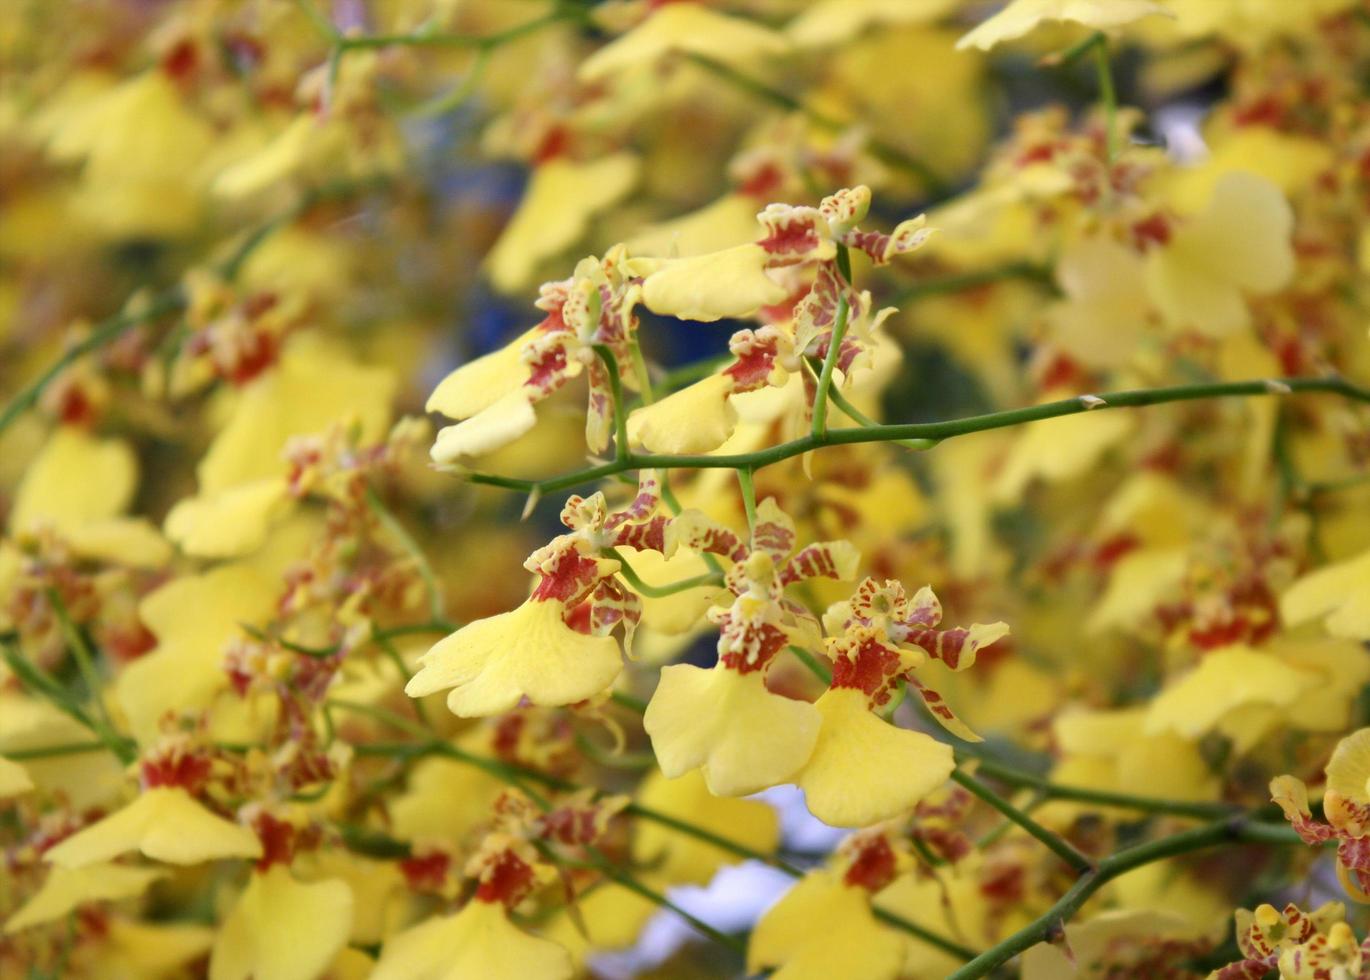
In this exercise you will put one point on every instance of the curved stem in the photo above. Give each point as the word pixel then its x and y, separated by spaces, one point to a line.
pixel 410 547
pixel 820 398
pixel 938 431
pixel 621 450
pixel 1057 844
pixel 1049 924
pixel 660 591
pixel 1129 801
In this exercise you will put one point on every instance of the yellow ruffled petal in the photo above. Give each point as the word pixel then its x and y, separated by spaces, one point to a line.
pixel 681 857
pixel 315 385
pixel 687 28
pixel 694 420
pixel 136 949
pixel 822 929
pixel 725 223
pixel 86 780
pixel 76 479
pixel 731 283
pixel 1225 680
pixel 491 428
pixel 1103 283
pixel 130 541
pixel 530 652
pixel 1348 771
pixel 1240 244
pixel 1340 593
pixel 282 929
pixel 477 385
pixel 478 942
pixel 165 824
pixel 1024 16
pixel 863 769
pixel 555 213
pixel 444 800
pixel 830 22
pixel 14 779
pixel 67 889
pixel 728 724
pixel 1059 449
pixel 275 162
pixel 231 522
pixel 1137 584
pixel 193 617
pixel 679 612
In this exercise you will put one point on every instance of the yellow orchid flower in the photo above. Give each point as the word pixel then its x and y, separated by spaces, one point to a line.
pixel 1346 804
pixel 1021 17
pixel 67 889
pixel 1338 593
pixel 281 928
pixel 535 651
pixel 684 28
pixel 841 899
pixel 555 213
pixel 164 823
pixel 1239 245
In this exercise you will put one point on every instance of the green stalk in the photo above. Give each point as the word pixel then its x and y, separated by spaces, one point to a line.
pixel 1054 842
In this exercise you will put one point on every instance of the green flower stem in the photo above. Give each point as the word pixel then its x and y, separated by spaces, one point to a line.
pixel 886 152
pixel 169 301
pixel 1145 804
pixel 621 450
pixel 861 418
pixel 936 431
pixel 819 670
pixel 53 751
pixel 1237 830
pixel 519 776
pixel 411 548
pixel 640 372
pixel 660 591
pixel 81 650
pixel 748 489
pixel 1107 94
pixel 392 653
pixel 1057 844
pixel 819 430
pixel 41 685
pixel 426 38
pixel 962 281
pixel 614 873
pixel 629 701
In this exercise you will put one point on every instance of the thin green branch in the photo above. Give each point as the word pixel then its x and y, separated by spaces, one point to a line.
pixel 820 398
pixel 1054 842
pixel 428 38
pixel 79 646
pixel 1144 804
pixel 43 686
pixel 621 448
pixel 411 547
pixel 1049 924
pixel 1107 94
pixel 640 372
pixel 937 431
pixel 960 282
pixel 748 489
pixel 660 591
pixel 806 658
pixel 53 751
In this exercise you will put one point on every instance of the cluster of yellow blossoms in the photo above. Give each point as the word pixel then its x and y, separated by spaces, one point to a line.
pixel 282 699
